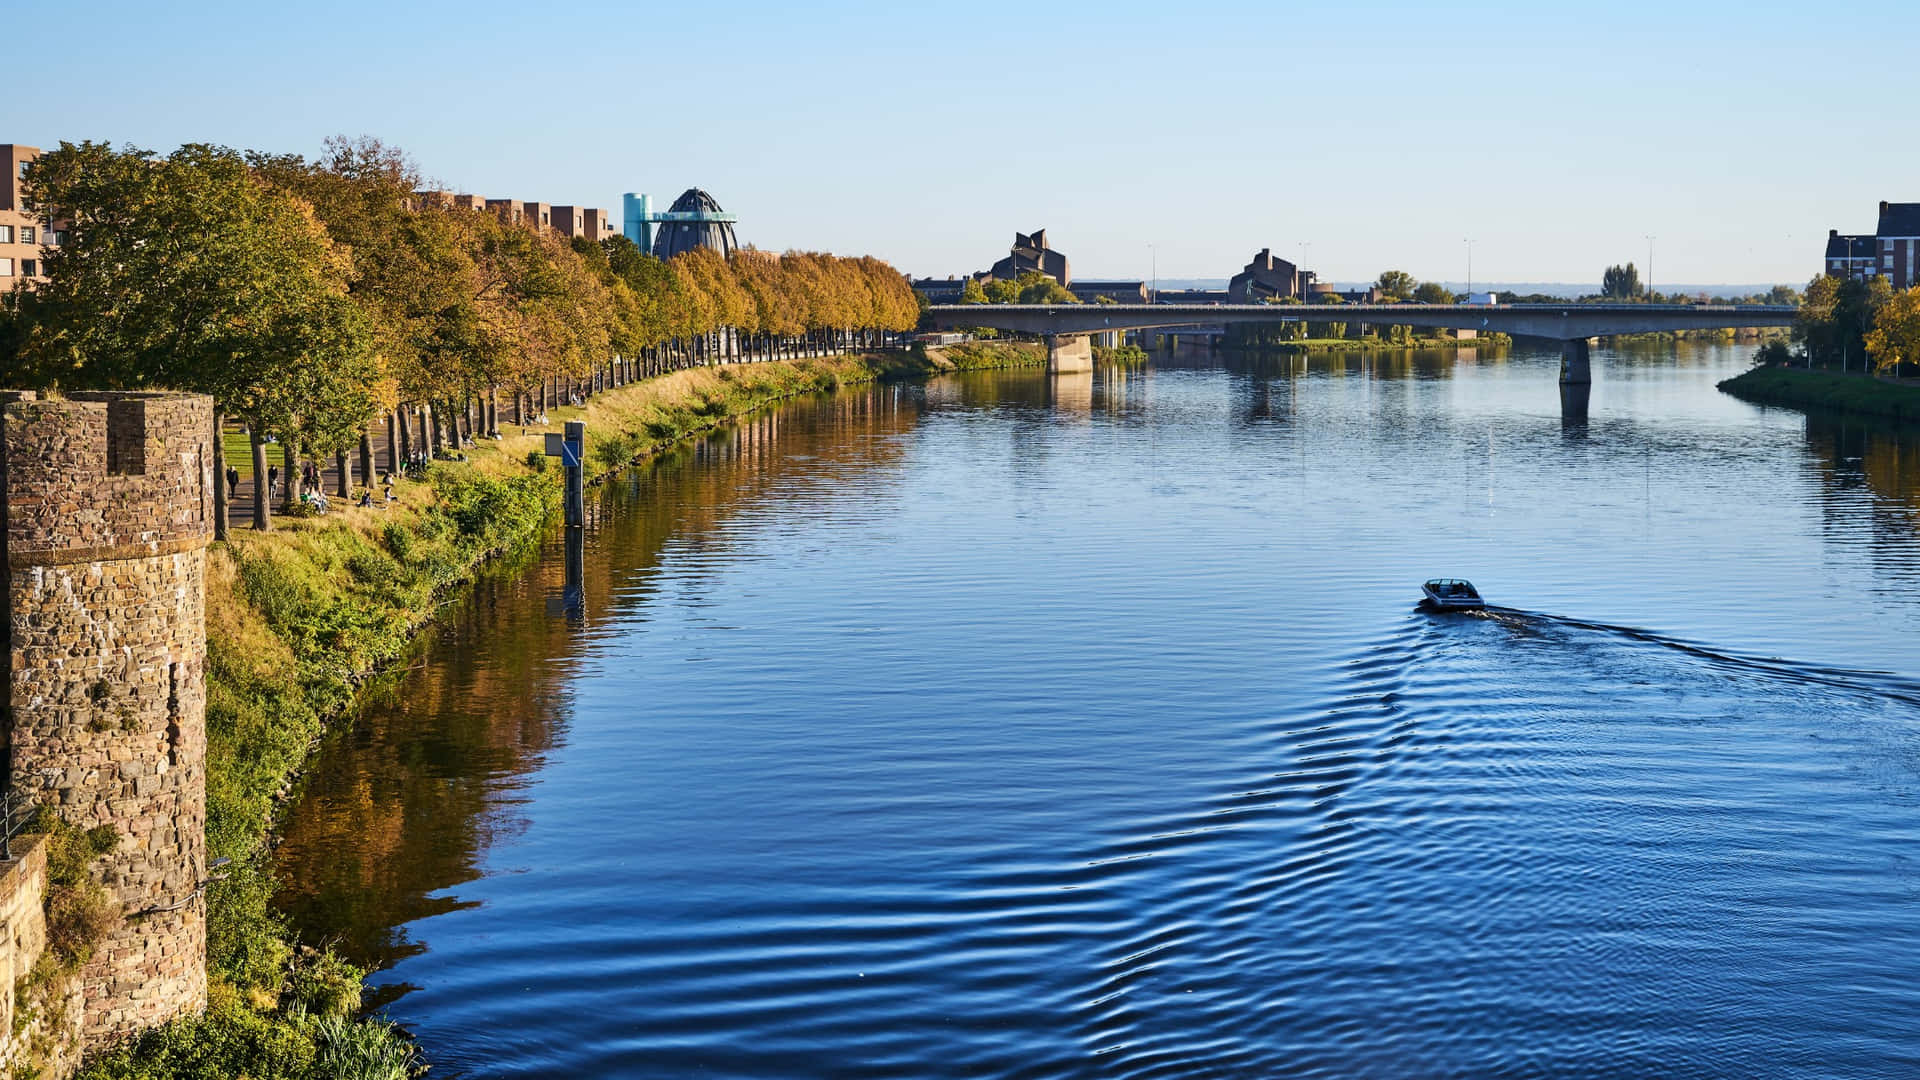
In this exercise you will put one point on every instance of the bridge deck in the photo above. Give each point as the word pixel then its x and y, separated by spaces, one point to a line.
pixel 1558 322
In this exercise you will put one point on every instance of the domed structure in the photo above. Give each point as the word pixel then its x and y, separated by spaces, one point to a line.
pixel 694 220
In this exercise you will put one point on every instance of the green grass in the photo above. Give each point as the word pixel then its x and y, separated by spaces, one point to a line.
pixel 239 453
pixel 1802 389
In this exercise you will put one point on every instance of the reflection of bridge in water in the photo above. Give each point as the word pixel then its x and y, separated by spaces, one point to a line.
pixel 1068 328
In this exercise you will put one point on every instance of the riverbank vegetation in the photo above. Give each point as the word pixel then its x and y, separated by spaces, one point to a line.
pixel 1800 388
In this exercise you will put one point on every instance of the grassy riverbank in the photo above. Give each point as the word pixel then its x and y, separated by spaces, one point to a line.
pixel 1799 388
pixel 300 617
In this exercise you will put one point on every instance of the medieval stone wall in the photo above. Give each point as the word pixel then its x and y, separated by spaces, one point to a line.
pixel 108 511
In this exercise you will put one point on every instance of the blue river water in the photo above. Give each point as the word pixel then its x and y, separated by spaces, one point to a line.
pixel 1028 726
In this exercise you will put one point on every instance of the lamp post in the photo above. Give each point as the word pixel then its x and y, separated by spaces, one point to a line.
pixel 1650 269
pixel 1153 290
pixel 1469 242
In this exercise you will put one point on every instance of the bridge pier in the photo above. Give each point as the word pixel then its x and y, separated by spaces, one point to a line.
pixel 1575 362
pixel 1573 405
pixel 1069 352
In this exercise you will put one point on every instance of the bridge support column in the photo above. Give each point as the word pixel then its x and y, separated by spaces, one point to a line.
pixel 1575 366
pixel 1069 352
pixel 1573 405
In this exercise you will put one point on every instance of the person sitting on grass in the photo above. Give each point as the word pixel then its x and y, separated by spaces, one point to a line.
pixel 366 497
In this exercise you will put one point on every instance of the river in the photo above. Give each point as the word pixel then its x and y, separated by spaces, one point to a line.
pixel 1021 726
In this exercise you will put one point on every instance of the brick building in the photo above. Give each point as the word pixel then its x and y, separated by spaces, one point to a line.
pixel 1892 251
pixel 23 239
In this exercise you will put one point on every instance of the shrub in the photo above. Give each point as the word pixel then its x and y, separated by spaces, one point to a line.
pixel 324 985
pixel 79 912
pixel 398 540
pixel 613 451
pixel 537 460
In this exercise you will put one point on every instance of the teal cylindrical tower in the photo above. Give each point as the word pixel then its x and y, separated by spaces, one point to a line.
pixel 636 212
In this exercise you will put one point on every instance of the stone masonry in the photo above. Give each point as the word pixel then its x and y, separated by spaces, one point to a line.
pixel 107 503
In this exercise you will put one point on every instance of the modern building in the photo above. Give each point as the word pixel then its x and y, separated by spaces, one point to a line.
pixel 1032 254
pixel 1269 277
pixel 23 238
pixel 694 220
pixel 1892 252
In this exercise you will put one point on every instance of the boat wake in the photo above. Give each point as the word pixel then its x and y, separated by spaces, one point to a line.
pixel 1882 684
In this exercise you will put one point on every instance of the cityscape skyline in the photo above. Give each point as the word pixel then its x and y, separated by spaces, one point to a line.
pixel 1542 145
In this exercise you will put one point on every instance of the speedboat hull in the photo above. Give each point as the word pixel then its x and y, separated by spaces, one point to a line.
pixel 1452 594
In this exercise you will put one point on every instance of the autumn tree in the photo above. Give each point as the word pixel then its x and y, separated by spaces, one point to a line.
pixel 190 272
pixel 1895 337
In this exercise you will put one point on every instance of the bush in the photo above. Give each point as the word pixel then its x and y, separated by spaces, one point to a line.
pixel 79 912
pixel 613 451
pixel 398 540
pixel 537 460
pixel 324 985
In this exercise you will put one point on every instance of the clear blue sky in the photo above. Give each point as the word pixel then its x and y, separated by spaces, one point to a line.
pixel 1383 135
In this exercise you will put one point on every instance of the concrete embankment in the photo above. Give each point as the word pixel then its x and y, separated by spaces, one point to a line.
pixel 1799 388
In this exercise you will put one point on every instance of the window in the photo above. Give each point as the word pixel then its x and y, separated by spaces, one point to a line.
pixel 6 267
pixel 57 238
pixel 1886 245
pixel 1886 261
pixel 6 234
pixel 26 234
pixel 29 268
pixel 23 169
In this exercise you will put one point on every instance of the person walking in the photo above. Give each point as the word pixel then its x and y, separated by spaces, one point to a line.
pixel 273 481
pixel 233 479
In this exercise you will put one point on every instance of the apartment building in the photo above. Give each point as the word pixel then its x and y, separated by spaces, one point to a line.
pixel 23 239
pixel 1892 251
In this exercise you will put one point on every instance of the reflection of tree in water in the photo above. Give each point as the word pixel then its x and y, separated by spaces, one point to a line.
pixel 1883 457
pixel 400 809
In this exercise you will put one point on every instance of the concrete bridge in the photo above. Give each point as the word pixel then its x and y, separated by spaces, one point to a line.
pixel 1067 326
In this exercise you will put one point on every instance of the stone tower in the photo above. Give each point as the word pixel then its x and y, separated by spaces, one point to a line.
pixel 107 500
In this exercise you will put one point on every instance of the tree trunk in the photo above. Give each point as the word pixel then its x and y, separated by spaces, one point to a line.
pixel 493 409
pixel 400 421
pixel 393 445
pixel 366 460
pixel 340 462
pixel 425 449
pixel 289 473
pixel 220 492
pixel 261 519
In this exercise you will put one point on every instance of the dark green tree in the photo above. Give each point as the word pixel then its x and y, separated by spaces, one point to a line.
pixel 1395 284
pixel 1432 292
pixel 1620 282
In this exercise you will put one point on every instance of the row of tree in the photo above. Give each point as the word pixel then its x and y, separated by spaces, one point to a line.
pixel 1855 322
pixel 309 296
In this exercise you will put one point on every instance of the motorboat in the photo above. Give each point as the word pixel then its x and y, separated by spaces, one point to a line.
pixel 1453 594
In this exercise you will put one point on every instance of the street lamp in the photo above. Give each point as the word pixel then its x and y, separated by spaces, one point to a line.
pixel 1469 242
pixel 1153 290
pixel 1650 269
